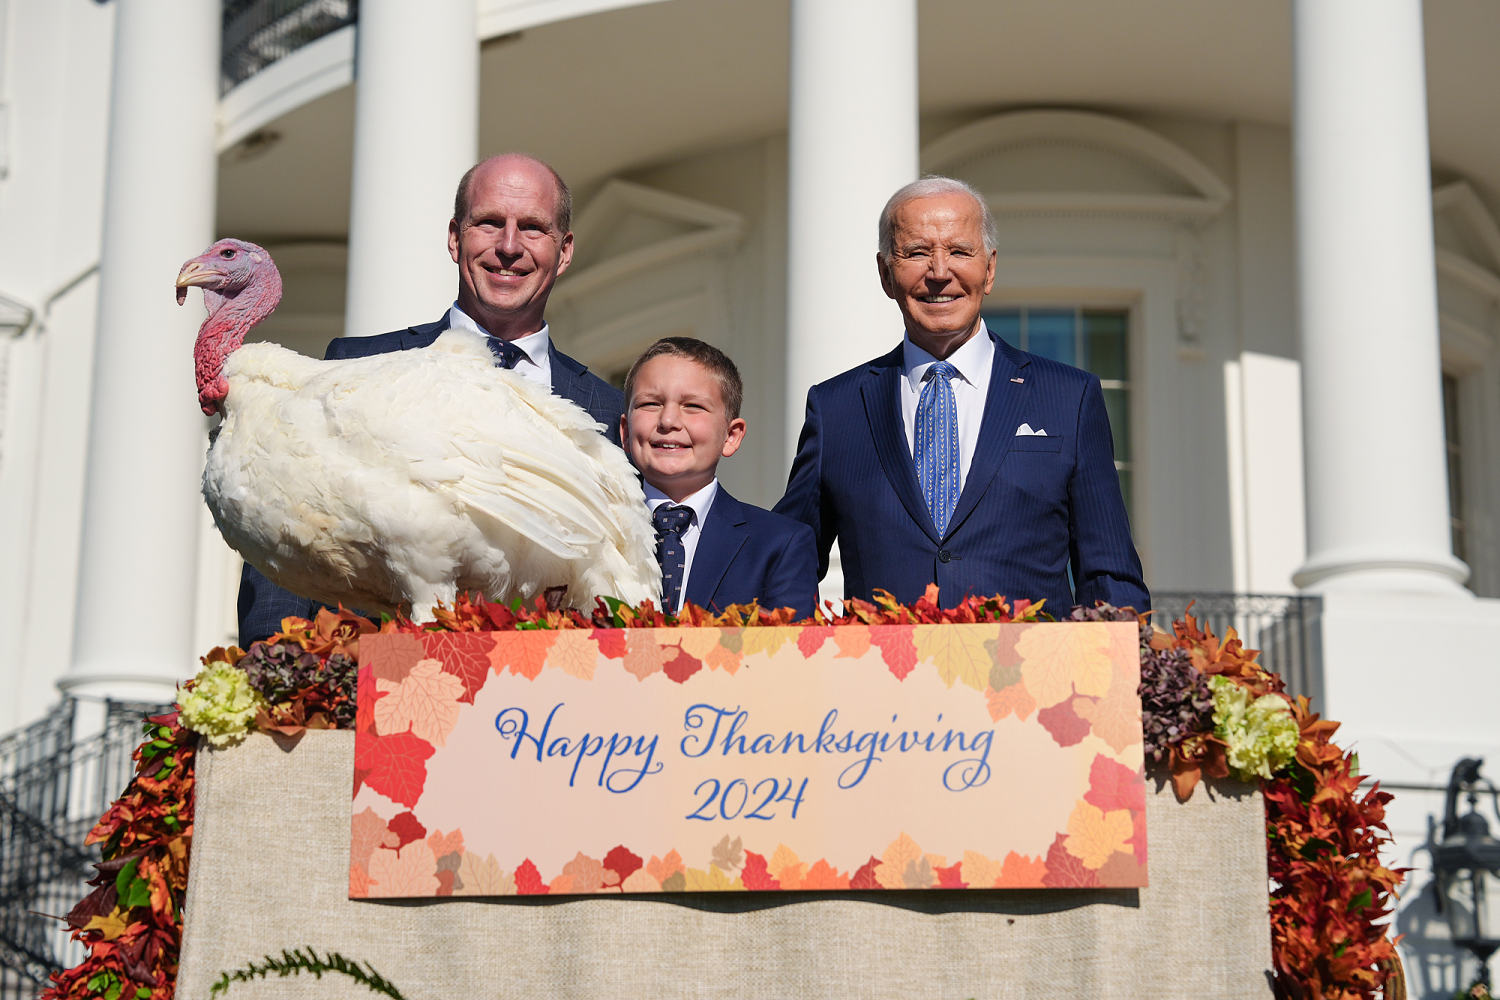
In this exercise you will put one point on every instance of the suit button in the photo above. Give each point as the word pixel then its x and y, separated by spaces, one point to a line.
pixel 944 555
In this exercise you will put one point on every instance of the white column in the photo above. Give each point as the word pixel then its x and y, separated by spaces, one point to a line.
pixel 416 122
pixel 136 580
pixel 852 142
pixel 1377 500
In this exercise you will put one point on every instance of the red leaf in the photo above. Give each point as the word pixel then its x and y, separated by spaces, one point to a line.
pixel 896 648
pixel 755 874
pixel 948 877
pixel 681 667
pixel 865 877
pixel 1112 785
pixel 392 657
pixel 406 828
pixel 1137 839
pixel 611 642
pixel 365 697
pixel 811 638
pixel 529 880
pixel 1063 723
pixel 445 882
pixel 622 862
pixel 1064 871
pixel 465 655
pixel 396 763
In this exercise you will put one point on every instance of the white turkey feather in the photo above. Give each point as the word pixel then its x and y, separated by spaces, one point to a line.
pixel 408 477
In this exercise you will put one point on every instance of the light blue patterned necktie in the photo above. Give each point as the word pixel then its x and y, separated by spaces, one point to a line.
pixel 935 444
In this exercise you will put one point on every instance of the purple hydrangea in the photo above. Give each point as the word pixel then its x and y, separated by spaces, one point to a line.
pixel 1176 700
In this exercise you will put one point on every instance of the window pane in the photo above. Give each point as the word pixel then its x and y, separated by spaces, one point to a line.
pixel 1050 333
pixel 1104 345
pixel 1005 324
pixel 1117 404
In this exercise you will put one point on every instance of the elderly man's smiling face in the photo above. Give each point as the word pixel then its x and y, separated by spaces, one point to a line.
pixel 939 271
pixel 509 247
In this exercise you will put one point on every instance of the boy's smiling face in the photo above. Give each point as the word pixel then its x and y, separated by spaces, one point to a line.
pixel 675 427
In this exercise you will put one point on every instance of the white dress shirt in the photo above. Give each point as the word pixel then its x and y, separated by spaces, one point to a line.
pixel 699 503
pixel 535 367
pixel 974 361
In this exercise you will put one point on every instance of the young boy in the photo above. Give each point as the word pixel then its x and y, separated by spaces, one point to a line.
pixel 682 414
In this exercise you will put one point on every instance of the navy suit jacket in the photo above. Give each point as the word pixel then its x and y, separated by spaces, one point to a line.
pixel 1031 507
pixel 262 604
pixel 749 554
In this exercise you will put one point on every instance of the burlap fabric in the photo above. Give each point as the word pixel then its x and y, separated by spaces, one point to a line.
pixel 270 869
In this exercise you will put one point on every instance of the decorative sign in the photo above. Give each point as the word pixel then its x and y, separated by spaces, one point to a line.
pixel 691 759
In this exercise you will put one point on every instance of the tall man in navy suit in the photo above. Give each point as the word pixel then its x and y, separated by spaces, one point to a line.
pixel 956 458
pixel 682 415
pixel 511 237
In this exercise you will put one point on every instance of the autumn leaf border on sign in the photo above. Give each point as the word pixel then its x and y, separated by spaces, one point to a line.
pixel 1328 913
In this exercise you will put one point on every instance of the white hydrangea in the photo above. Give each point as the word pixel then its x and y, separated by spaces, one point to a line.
pixel 221 704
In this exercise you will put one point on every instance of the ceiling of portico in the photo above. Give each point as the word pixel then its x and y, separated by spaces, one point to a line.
pixel 608 93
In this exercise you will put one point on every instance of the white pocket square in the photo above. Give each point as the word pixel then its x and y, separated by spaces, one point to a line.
pixel 1025 431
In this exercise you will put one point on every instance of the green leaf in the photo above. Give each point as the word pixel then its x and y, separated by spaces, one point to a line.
pixel 1314 847
pixel 1361 901
pixel 125 876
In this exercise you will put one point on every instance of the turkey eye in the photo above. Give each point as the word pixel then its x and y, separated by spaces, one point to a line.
pixel 227 254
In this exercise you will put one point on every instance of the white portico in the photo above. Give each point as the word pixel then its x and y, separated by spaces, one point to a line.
pixel 1277 222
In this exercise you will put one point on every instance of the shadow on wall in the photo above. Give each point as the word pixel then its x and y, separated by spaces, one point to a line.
pixel 1436 968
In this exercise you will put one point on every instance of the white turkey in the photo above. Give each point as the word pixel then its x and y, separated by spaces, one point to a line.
pixel 399 480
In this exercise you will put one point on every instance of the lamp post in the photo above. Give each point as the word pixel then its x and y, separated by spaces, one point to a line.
pixel 1467 867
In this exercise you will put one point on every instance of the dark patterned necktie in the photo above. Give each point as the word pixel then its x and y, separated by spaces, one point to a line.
pixel 671 521
pixel 935 444
pixel 507 355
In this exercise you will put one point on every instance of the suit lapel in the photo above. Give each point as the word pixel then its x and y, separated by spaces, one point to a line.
pixel 1003 406
pixel 421 336
pixel 883 414
pixel 723 535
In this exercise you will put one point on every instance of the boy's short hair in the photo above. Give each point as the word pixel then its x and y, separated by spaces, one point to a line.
pixel 731 387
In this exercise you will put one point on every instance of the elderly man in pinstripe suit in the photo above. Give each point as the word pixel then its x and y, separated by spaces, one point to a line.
pixel 956 458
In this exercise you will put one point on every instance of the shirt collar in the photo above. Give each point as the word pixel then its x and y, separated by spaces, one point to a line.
pixel 698 502
pixel 973 360
pixel 536 345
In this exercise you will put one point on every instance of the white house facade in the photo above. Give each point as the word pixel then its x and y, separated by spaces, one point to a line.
pixel 1269 228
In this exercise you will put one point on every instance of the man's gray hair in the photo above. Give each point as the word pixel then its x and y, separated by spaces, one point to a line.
pixel 932 186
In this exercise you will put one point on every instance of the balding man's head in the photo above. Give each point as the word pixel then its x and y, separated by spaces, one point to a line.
pixel 564 214
pixel 511 238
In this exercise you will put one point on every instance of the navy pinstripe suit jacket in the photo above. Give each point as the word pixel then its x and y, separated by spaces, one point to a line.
pixel 262 604
pixel 1031 507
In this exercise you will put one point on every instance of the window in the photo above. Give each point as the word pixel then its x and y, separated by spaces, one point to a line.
pixel 1096 340
pixel 1454 455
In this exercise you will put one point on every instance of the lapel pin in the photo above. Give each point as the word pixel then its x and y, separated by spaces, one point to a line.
pixel 1018 381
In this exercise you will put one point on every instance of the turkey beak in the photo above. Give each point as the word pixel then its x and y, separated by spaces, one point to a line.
pixel 194 272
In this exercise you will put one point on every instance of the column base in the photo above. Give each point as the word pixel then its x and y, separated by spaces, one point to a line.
pixel 1383 570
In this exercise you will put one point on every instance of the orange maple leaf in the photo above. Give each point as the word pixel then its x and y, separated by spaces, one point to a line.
pixel 1011 699
pixel 1020 871
pixel 525 653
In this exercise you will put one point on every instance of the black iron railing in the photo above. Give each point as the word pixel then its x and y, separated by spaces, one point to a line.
pixel 259 32
pixel 1284 627
pixel 54 786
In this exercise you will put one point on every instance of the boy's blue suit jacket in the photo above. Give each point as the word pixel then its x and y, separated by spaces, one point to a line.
pixel 746 553
pixel 262 604
pixel 1030 508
